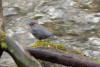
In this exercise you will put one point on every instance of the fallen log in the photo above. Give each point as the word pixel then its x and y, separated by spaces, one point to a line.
pixel 60 58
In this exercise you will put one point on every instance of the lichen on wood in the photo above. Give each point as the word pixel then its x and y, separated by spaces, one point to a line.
pixel 49 44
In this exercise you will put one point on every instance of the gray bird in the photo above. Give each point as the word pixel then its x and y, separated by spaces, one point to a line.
pixel 39 31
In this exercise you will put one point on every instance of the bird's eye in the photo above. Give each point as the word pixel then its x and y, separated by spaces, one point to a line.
pixel 31 24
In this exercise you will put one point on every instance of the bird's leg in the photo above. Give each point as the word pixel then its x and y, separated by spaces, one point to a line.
pixel 39 41
pixel 43 40
pixel 46 40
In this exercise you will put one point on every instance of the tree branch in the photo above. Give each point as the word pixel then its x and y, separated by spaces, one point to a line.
pixel 1 24
pixel 1 51
pixel 59 58
pixel 20 56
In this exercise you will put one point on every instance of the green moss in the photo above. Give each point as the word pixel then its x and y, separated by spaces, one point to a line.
pixel 49 44
pixel 98 62
pixel 57 65
pixel 2 36
pixel 62 47
pixel 3 45
pixel 77 52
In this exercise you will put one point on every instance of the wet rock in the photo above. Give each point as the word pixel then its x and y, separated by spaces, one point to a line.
pixel 21 4
pixel 10 11
pixel 94 41
pixel 6 61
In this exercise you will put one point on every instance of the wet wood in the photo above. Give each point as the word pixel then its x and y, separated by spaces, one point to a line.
pixel 1 24
pixel 20 56
pixel 60 58
pixel 1 51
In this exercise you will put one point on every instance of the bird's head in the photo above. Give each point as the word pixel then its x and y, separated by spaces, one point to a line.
pixel 32 23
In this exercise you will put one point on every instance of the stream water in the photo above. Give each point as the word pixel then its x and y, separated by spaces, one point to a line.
pixel 76 23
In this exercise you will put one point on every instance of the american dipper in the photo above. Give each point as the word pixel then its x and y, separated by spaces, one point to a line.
pixel 39 31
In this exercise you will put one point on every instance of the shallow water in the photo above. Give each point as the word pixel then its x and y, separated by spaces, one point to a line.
pixel 76 23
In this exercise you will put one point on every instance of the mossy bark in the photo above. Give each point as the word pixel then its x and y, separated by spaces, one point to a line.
pixel 1 22
pixel 21 57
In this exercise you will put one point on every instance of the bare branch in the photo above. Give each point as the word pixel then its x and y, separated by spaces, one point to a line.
pixel 59 58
